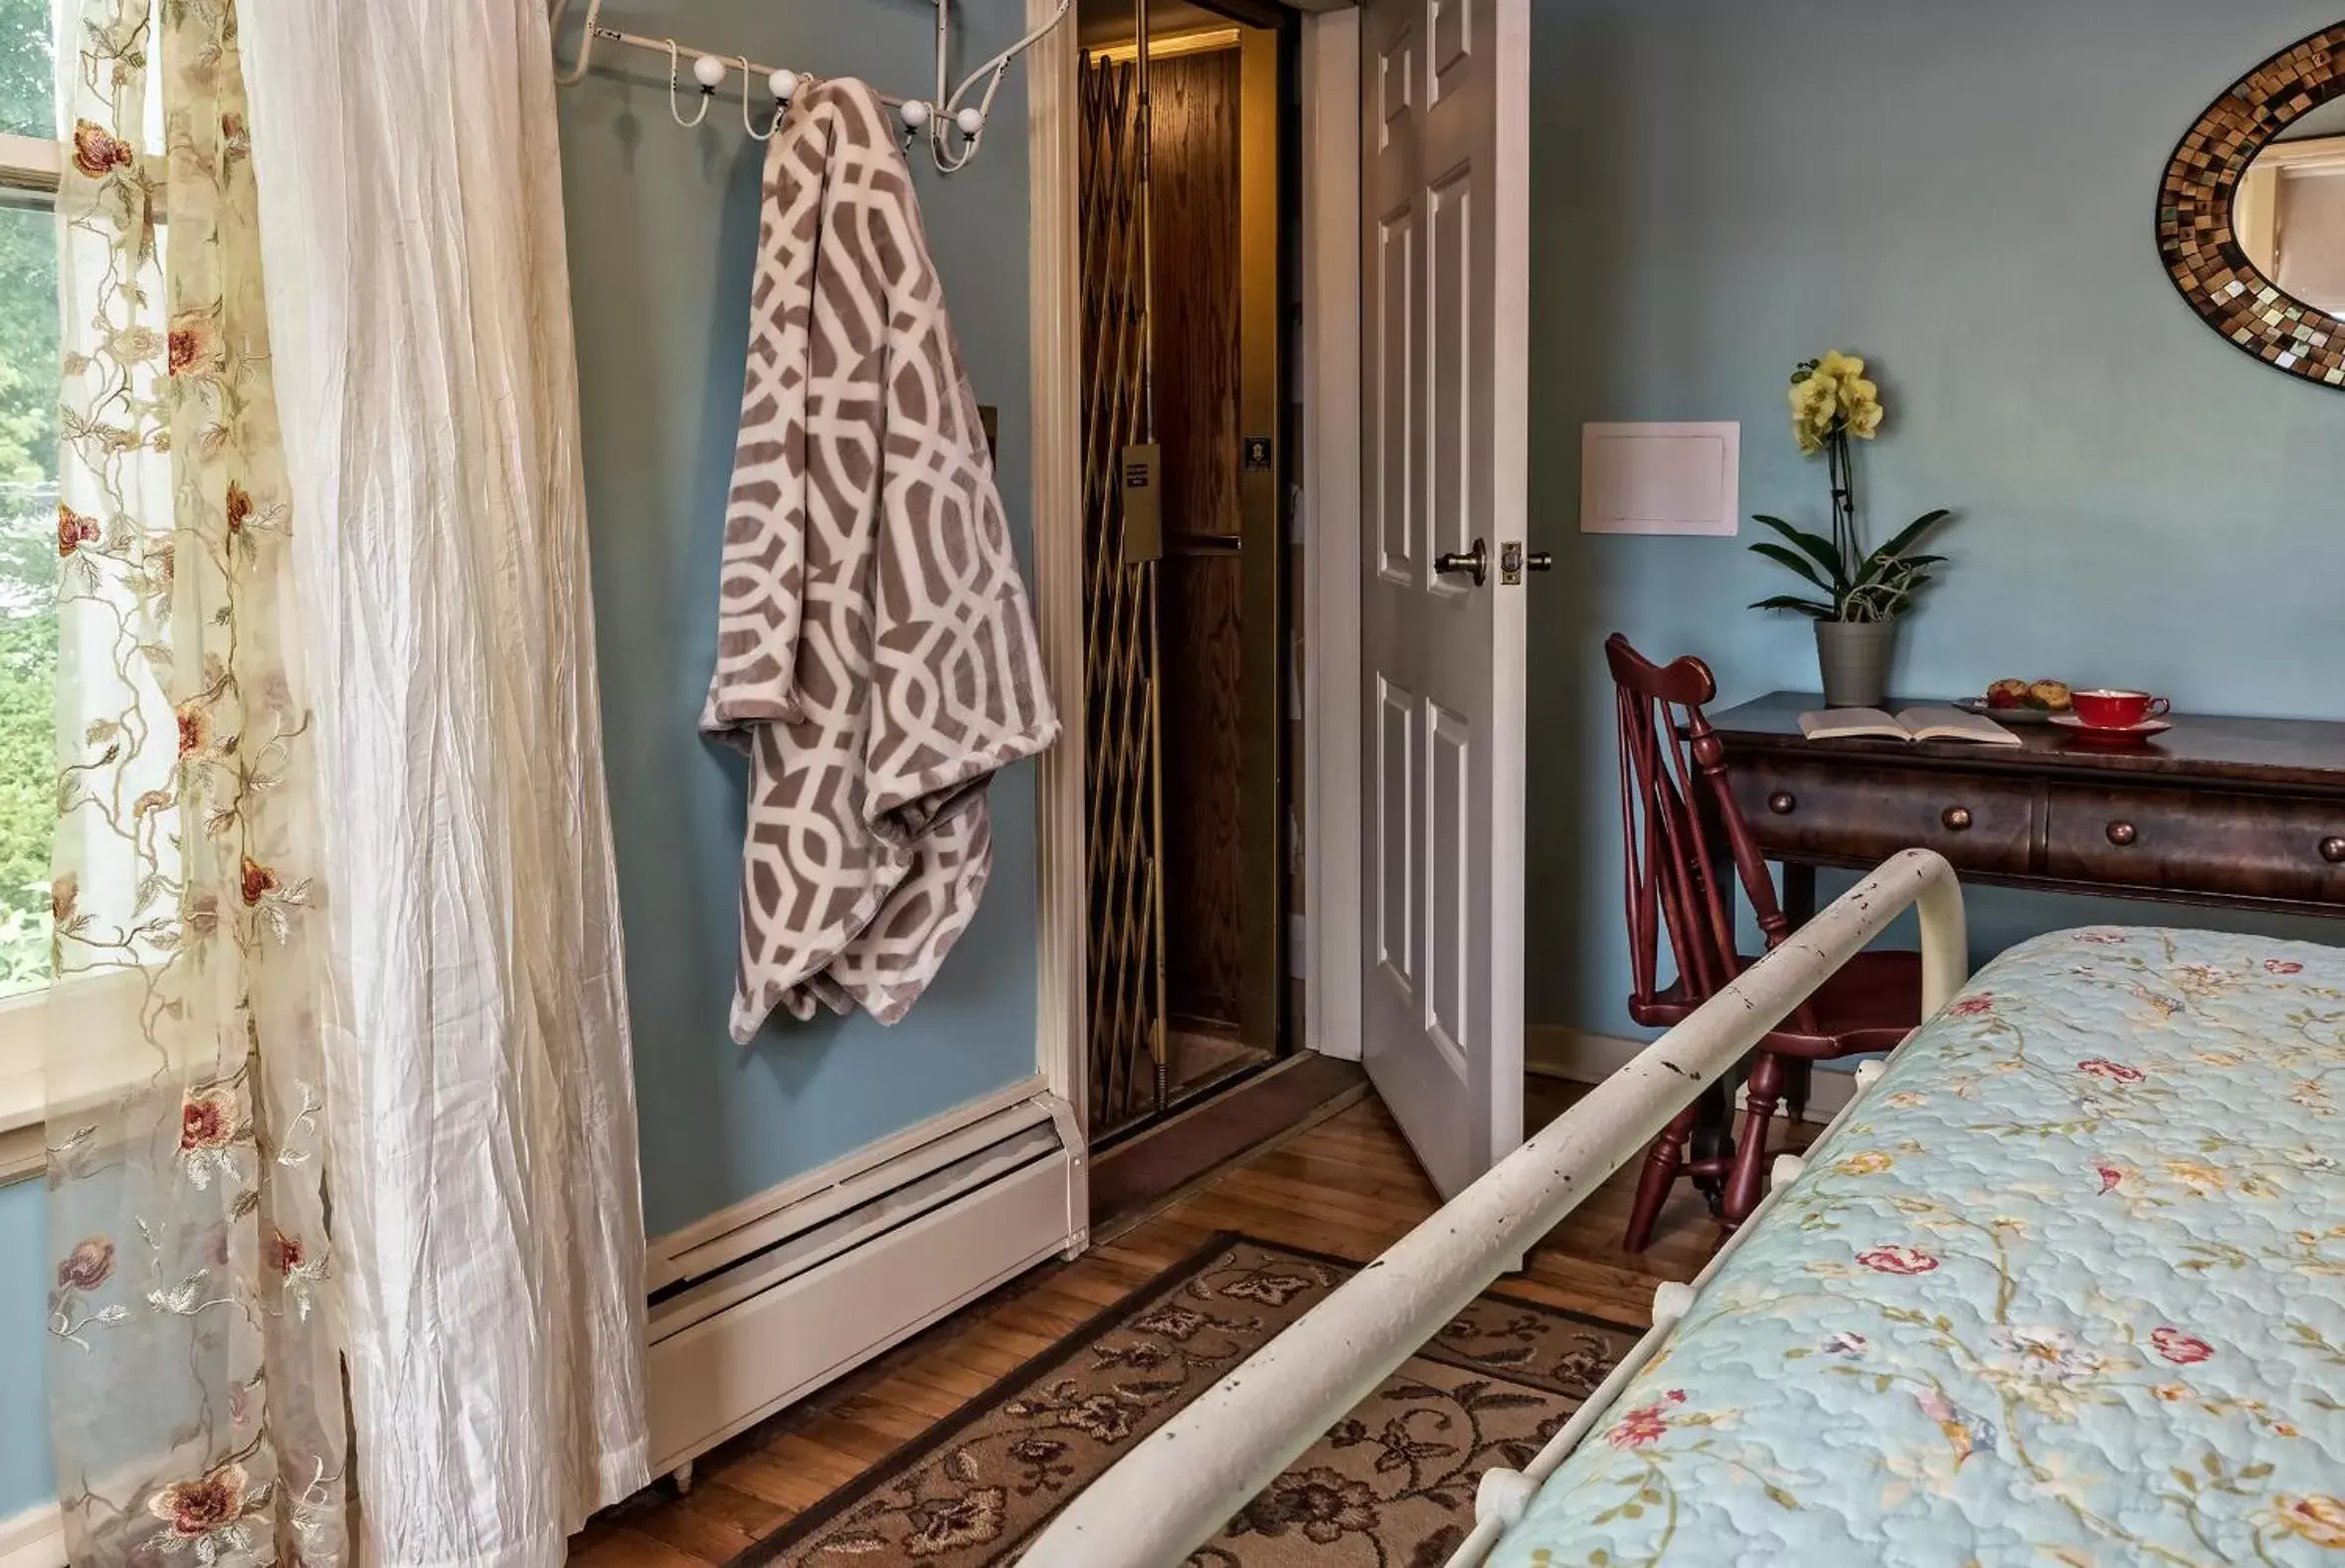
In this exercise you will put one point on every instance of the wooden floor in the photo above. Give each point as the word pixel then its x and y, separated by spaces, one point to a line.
pixel 1348 1187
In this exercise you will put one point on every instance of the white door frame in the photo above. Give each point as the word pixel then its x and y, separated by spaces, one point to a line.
pixel 1053 153
pixel 1332 772
pixel 1328 468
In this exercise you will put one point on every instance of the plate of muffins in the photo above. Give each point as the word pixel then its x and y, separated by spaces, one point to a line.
pixel 2014 701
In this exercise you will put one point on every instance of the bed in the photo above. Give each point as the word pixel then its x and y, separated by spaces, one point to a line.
pixel 2068 1287
pixel 2064 1284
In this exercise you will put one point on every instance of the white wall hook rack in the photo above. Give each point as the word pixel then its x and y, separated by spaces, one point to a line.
pixel 954 118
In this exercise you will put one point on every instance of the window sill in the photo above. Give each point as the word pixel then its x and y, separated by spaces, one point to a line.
pixel 24 1042
pixel 24 1150
pixel 94 1007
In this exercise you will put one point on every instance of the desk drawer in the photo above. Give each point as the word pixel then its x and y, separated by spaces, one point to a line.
pixel 2246 846
pixel 1868 813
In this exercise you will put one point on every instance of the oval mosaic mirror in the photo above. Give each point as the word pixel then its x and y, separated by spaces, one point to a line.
pixel 2252 214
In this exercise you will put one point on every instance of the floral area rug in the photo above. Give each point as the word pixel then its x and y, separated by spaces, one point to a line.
pixel 1391 1487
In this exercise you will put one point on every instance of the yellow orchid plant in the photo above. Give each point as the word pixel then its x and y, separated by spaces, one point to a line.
pixel 1833 404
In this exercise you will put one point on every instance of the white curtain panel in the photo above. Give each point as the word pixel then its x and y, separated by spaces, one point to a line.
pixel 483 1138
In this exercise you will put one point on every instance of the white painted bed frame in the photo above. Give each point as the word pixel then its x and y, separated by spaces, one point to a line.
pixel 1180 1485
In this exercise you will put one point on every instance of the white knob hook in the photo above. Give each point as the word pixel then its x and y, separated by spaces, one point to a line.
pixel 782 84
pixel 702 74
pixel 917 117
pixel 970 121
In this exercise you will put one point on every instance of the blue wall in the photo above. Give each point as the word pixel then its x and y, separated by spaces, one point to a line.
pixel 1965 194
pixel 23 1337
pixel 662 226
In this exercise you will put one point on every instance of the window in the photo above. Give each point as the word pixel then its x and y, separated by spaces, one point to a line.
pixel 28 593
pixel 28 70
pixel 28 559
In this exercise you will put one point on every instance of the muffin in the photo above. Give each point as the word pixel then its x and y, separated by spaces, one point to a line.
pixel 2008 694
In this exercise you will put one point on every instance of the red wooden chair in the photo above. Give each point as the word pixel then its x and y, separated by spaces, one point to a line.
pixel 1681 827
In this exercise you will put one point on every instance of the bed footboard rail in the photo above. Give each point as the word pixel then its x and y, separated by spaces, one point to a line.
pixel 1187 1478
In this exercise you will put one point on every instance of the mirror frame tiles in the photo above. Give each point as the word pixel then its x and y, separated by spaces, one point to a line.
pixel 2195 238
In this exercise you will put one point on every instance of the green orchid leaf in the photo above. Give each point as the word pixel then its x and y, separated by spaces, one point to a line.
pixel 1804 606
pixel 1819 549
pixel 1911 535
pixel 1888 596
pixel 1872 575
pixel 1793 561
pixel 1891 571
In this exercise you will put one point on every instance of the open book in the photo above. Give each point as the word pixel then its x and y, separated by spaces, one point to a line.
pixel 1915 724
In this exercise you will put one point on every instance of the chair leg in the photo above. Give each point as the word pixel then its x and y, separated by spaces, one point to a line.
pixel 1662 1162
pixel 1713 1139
pixel 1748 1182
pixel 1798 1078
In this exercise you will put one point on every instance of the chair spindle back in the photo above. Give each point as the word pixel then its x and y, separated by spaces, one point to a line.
pixel 1676 805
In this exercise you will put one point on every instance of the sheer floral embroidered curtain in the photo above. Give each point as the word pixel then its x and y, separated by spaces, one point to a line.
pixel 344 1196
pixel 195 1374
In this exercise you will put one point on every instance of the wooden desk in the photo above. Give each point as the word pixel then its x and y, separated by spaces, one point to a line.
pixel 2248 813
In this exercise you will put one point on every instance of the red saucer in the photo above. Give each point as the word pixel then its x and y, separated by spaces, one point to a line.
pixel 2128 731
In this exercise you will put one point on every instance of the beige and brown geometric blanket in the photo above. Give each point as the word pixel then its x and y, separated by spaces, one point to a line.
pixel 876 655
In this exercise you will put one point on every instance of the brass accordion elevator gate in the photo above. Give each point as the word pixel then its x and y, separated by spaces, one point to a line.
pixel 1122 645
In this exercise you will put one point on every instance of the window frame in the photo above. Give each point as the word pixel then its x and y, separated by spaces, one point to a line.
pixel 23 1100
pixel 29 165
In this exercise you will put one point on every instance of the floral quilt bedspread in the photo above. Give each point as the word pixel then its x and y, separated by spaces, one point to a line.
pixel 2068 1289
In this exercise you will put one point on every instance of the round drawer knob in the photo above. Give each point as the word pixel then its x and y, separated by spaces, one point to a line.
pixel 1956 818
pixel 2332 850
pixel 1782 803
pixel 2122 833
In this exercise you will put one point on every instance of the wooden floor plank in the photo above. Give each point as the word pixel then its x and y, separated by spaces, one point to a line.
pixel 785 1480
pixel 629 1548
pixel 714 1523
pixel 1347 1186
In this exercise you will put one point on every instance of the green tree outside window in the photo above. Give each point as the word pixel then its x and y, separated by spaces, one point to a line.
pixel 28 512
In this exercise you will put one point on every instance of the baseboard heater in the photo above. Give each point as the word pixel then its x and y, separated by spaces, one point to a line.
pixel 784 1301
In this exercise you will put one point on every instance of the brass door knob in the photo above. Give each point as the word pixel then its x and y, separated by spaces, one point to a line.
pixel 2122 834
pixel 1782 803
pixel 1956 818
pixel 2332 850
pixel 1474 562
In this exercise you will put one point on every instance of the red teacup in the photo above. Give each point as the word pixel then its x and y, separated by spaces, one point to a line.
pixel 2118 710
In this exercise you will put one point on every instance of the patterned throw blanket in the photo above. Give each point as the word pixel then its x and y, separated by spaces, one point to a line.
pixel 2065 1290
pixel 876 655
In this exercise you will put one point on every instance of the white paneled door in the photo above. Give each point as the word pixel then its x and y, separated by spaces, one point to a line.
pixel 1444 150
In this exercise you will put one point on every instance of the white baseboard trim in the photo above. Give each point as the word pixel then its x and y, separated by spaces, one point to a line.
pixel 732 1224
pixel 786 1331
pixel 1557 1050
pixel 34 1539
